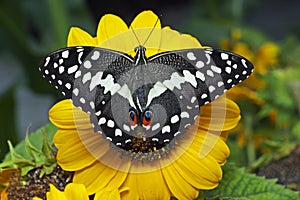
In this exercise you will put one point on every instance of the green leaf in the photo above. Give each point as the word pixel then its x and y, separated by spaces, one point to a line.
pixel 47 148
pixel 36 141
pixel 238 184
pixel 34 153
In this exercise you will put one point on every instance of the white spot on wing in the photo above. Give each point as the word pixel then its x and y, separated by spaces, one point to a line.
pixel 210 73
pixel 216 69
pixel 244 63
pixel 125 92
pixel 79 57
pixel 92 104
pixel 47 61
pixel 228 70
pixel 118 132
pixel 208 58
pixel 156 91
pixel 184 115
pixel 220 83
pixel 75 91
pixel 174 81
pixel 87 64
pixel 68 85
pixel 203 96
pixel 193 99
pixel 211 88
pixel 174 119
pixel 95 80
pixel 101 121
pixel 155 127
pixel 96 55
pixel 110 123
pixel 65 54
pixel 109 85
pixel 200 75
pixel 165 129
pixel 61 69
pixel 126 128
pixel 86 77
pixel 98 113
pixel 191 56
pixel 72 69
pixel 77 74
pixel 224 56
pixel 190 78
pixel 200 64
pixel 82 100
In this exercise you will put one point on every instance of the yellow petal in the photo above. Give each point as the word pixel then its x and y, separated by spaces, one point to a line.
pixel 71 155
pixel 178 186
pixel 97 175
pixel 173 40
pixel 66 116
pixel 55 194
pixel 146 19
pixel 113 33
pixel 76 191
pixel 146 186
pixel 201 173
pixel 34 198
pixel 108 194
pixel 110 26
pixel 220 115
pixel 211 144
pixel 78 37
pixel 132 193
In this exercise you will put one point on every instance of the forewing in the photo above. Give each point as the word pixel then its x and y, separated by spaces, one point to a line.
pixel 209 71
pixel 90 77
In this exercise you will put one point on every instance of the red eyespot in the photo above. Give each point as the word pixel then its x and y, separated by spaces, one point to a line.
pixel 147 119
pixel 132 117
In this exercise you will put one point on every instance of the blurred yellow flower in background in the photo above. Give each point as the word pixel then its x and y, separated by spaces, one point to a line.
pixel 263 58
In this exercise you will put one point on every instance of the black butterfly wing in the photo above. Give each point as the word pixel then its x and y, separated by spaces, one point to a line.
pixel 195 77
pixel 210 72
pixel 91 77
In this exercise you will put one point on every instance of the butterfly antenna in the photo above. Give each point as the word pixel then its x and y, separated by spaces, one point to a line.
pixel 135 35
pixel 151 31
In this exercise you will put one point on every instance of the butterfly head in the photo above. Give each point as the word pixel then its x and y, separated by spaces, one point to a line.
pixel 140 57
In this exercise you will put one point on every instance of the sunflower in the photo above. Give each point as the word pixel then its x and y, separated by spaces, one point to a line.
pixel 78 191
pixel 192 163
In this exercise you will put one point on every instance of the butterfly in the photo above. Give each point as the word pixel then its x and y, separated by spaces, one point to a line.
pixel 140 104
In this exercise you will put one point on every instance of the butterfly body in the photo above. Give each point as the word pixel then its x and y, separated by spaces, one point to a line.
pixel 141 104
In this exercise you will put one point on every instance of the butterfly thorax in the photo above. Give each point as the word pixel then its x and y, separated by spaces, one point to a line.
pixel 140 56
